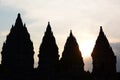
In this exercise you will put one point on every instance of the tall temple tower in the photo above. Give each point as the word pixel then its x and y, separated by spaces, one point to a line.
pixel 72 65
pixel 48 56
pixel 104 60
pixel 17 52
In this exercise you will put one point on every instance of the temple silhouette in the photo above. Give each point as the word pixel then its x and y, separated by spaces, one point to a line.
pixel 71 63
pixel 18 62
pixel 17 52
pixel 48 56
pixel 104 60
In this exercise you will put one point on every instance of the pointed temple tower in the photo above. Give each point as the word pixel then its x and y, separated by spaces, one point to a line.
pixel 72 65
pixel 17 52
pixel 48 56
pixel 104 60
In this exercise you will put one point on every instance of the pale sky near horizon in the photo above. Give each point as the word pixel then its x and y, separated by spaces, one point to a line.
pixel 83 17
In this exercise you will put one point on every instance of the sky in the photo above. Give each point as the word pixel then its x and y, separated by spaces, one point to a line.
pixel 83 17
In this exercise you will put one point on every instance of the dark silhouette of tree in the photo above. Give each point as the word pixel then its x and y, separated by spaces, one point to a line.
pixel 72 65
pixel 48 56
pixel 17 52
pixel 104 60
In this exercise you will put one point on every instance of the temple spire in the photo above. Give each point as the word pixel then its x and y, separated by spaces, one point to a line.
pixel 19 22
pixel 104 60
pixel 48 56
pixel 17 52
pixel 71 54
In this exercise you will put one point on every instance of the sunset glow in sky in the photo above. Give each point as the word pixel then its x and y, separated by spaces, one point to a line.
pixel 83 17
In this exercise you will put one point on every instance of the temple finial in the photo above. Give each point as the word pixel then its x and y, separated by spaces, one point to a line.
pixel 18 14
pixel 24 25
pixel 48 29
pixel 101 30
pixel 18 22
pixel 48 22
pixel 71 33
pixel 48 26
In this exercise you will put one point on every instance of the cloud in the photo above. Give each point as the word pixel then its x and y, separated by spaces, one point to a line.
pixel 116 49
pixel 4 33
